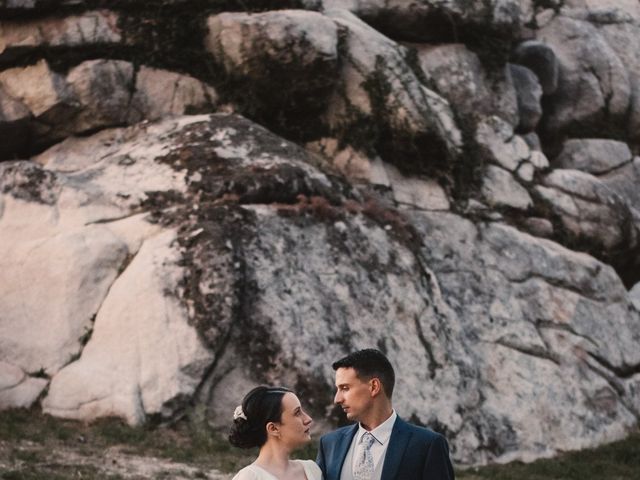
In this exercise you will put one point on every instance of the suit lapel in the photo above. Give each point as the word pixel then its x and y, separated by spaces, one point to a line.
pixel 397 445
pixel 341 449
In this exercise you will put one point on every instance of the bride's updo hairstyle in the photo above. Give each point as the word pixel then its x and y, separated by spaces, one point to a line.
pixel 259 407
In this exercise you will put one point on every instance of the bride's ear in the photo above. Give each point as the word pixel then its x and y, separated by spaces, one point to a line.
pixel 272 430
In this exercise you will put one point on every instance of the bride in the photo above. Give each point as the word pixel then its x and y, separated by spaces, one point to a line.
pixel 273 419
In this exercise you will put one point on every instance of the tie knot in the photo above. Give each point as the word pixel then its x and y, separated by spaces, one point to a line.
pixel 367 440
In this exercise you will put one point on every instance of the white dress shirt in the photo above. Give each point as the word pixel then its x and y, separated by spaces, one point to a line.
pixel 382 434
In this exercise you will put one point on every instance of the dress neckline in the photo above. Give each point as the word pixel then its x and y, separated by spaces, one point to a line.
pixel 304 469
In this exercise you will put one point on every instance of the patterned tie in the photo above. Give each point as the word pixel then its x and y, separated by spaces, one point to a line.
pixel 363 469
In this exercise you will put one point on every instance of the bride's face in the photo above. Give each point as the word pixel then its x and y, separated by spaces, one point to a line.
pixel 295 425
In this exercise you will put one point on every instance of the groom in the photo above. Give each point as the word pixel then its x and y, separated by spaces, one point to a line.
pixel 380 446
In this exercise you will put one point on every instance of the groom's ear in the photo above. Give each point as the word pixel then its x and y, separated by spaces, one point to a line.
pixel 375 387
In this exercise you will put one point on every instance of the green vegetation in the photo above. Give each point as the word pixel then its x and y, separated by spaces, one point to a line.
pixel 616 461
pixel 53 472
pixel 30 444
pixel 35 446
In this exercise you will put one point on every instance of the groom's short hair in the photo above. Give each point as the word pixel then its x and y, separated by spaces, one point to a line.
pixel 370 363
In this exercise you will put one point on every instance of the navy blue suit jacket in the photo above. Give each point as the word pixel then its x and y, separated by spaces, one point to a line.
pixel 414 453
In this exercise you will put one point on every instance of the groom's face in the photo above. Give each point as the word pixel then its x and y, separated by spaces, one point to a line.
pixel 352 394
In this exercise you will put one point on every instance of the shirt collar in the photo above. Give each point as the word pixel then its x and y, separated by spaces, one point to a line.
pixel 382 432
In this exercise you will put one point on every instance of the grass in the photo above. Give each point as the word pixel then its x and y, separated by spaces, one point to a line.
pixel 615 461
pixel 54 472
pixel 27 439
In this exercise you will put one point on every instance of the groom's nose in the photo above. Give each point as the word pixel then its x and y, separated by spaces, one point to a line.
pixel 338 398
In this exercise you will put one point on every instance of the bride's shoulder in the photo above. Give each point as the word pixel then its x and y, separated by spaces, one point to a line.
pixel 247 473
pixel 312 469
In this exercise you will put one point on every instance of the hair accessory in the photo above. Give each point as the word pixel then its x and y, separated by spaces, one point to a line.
pixel 238 413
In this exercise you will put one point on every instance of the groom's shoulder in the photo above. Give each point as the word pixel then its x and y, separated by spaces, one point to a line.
pixel 423 433
pixel 336 433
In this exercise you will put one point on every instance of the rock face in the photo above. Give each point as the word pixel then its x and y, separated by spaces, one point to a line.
pixel 593 84
pixel 531 310
pixel 430 20
pixel 88 29
pixel 381 99
pixel 133 378
pixel 596 156
pixel 529 93
pixel 196 201
pixel 94 94
pixel 297 48
pixel 460 77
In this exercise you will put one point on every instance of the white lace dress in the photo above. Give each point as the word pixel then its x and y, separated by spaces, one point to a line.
pixel 254 472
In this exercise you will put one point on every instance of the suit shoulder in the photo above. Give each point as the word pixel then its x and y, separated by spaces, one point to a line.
pixel 425 433
pixel 335 433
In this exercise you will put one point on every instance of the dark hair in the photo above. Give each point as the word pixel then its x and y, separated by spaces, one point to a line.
pixel 261 406
pixel 370 363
